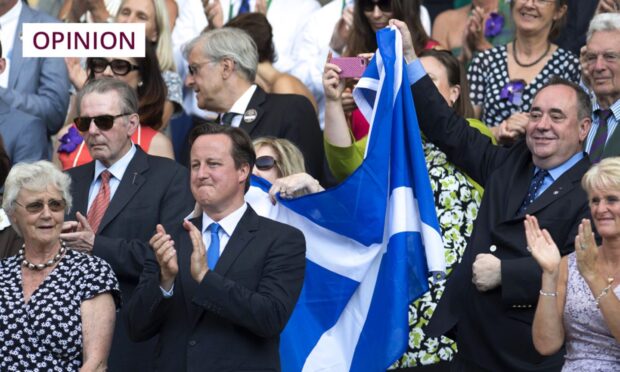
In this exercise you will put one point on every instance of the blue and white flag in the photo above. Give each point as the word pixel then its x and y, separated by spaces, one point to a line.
pixel 371 241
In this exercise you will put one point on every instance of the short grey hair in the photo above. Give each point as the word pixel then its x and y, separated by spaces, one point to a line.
pixel 127 96
pixel 228 42
pixel 604 22
pixel 37 176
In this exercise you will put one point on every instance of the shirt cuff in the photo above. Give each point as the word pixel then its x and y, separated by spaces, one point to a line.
pixel 167 294
pixel 415 71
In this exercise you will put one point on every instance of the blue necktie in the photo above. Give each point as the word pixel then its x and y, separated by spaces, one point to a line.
pixel 537 182
pixel 245 7
pixel 213 253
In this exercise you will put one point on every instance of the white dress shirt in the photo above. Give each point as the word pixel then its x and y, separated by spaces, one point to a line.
pixel 117 171
pixel 8 27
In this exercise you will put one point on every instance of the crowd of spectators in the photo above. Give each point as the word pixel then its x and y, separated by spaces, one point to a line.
pixel 125 179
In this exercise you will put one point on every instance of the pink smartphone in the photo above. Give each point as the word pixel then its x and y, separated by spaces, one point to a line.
pixel 352 67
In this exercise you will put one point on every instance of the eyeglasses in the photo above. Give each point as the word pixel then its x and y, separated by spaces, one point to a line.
pixel 265 163
pixel 103 122
pixel 538 2
pixel 194 67
pixel 384 5
pixel 36 207
pixel 119 67
pixel 609 57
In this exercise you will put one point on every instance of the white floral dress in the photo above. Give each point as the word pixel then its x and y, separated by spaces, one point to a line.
pixel 45 334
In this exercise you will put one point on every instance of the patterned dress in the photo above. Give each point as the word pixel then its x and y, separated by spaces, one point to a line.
pixel 590 346
pixel 456 203
pixel 488 74
pixel 45 334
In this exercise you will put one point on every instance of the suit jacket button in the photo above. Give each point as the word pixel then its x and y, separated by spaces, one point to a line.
pixel 192 342
pixel 493 248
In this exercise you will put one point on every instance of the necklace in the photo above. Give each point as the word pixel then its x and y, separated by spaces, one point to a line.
pixel 41 266
pixel 514 54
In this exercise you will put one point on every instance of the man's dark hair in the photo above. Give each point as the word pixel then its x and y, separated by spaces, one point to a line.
pixel 584 104
pixel 242 149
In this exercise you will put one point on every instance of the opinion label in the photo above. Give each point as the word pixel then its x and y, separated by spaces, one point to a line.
pixel 83 40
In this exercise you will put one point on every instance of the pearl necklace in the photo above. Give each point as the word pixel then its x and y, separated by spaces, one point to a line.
pixel 41 266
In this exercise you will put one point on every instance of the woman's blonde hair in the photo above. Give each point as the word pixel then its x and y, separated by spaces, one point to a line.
pixel 290 159
pixel 603 176
pixel 164 35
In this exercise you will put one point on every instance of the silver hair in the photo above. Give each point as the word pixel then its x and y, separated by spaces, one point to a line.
pixel 604 22
pixel 127 96
pixel 228 42
pixel 37 177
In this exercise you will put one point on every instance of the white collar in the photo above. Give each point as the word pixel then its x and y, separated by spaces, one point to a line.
pixel 242 102
pixel 228 223
pixel 117 169
pixel 12 15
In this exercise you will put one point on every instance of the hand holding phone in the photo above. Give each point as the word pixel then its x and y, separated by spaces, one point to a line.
pixel 351 67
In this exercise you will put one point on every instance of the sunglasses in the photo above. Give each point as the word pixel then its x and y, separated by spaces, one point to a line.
pixel 103 122
pixel 36 207
pixel 119 67
pixel 265 163
pixel 384 5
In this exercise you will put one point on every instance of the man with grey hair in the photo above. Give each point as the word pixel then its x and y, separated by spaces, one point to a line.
pixel 120 197
pixel 601 70
pixel 222 72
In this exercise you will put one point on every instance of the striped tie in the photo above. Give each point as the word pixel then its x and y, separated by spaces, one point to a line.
pixel 600 138
pixel 101 202
pixel 537 182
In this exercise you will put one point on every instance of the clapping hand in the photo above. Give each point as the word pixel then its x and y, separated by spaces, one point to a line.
pixel 586 250
pixel 166 255
pixel 78 234
pixel 215 14
pixel 198 261
pixel 541 245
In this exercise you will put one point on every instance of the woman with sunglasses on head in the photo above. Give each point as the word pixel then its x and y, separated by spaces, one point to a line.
pixel 578 306
pixel 142 74
pixel 280 162
pixel 504 79
pixel 457 197
pixel 59 305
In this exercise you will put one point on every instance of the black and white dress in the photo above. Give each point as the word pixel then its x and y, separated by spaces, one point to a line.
pixel 46 333
pixel 488 74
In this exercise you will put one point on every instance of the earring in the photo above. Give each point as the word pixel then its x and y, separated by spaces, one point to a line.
pixel 140 83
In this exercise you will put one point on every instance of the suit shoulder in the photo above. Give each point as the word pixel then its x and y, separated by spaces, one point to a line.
pixel 167 163
pixel 272 226
pixel 288 99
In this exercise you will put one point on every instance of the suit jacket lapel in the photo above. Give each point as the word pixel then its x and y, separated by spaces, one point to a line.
pixel 239 240
pixel 16 54
pixel 521 187
pixel 258 98
pixel 612 148
pixel 82 178
pixel 569 180
pixel 130 184
pixel 184 251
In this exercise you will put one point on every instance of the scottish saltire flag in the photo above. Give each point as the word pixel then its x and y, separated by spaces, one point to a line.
pixel 371 241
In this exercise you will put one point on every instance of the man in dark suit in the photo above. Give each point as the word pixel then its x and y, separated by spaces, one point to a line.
pixel 602 71
pixel 120 197
pixel 39 86
pixel 222 69
pixel 222 308
pixel 491 296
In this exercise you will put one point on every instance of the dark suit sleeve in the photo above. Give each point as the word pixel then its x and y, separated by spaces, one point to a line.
pixel 147 308
pixel 127 257
pixel 465 146
pixel 521 278
pixel 266 310
pixel 303 129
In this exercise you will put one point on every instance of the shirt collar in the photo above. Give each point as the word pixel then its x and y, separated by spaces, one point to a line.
pixel 556 172
pixel 615 108
pixel 117 169
pixel 242 102
pixel 228 223
pixel 12 15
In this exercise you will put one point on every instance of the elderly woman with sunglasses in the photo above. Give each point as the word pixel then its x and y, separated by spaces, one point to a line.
pixel 71 149
pixel 578 304
pixel 57 309
pixel 504 79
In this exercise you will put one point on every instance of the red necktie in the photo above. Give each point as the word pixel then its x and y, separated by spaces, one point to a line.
pixel 101 202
